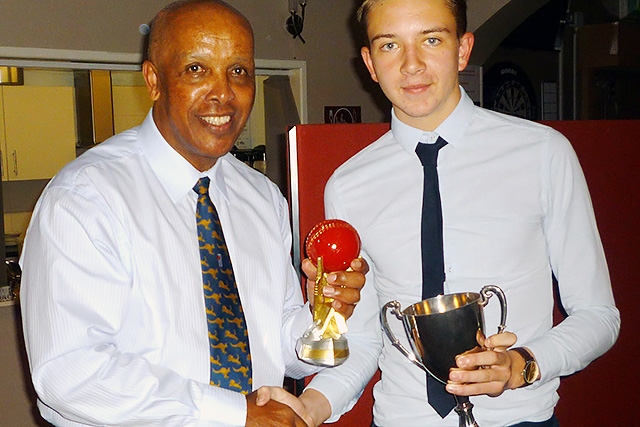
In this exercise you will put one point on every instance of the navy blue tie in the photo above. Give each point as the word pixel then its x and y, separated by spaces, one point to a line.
pixel 433 275
pixel 230 358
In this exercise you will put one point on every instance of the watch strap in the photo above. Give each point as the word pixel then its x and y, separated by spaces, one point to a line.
pixel 528 361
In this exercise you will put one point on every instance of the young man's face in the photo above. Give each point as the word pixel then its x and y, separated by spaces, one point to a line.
pixel 415 56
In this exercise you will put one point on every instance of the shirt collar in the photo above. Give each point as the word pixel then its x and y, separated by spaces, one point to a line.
pixel 174 172
pixel 451 129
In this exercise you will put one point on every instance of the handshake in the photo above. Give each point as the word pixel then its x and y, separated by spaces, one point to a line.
pixel 274 406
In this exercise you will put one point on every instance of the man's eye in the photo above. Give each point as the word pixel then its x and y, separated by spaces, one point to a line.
pixel 388 46
pixel 433 41
pixel 239 71
pixel 194 68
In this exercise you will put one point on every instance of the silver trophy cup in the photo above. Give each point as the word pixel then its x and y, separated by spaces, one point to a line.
pixel 441 328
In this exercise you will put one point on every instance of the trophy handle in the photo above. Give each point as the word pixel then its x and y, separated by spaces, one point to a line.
pixel 487 292
pixel 397 311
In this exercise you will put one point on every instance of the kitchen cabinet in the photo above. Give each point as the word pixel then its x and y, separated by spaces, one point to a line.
pixel 3 145
pixel 38 131
pixel 131 101
pixel 130 106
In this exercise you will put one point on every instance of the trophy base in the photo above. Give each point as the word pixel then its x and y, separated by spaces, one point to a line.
pixel 326 352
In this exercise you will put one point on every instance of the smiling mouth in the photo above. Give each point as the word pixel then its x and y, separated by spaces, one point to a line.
pixel 216 120
pixel 416 87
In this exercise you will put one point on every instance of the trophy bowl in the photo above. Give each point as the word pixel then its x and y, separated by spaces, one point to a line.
pixel 441 328
pixel 331 245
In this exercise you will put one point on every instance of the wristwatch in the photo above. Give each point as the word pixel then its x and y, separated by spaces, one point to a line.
pixel 531 370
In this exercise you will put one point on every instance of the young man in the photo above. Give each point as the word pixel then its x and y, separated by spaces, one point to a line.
pixel 515 213
pixel 113 299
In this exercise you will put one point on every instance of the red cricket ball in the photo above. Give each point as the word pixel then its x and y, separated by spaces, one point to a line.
pixel 336 241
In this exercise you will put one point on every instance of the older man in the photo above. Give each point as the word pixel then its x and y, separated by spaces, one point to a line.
pixel 158 287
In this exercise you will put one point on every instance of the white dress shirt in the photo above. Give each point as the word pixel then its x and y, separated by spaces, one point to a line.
pixel 516 210
pixel 112 298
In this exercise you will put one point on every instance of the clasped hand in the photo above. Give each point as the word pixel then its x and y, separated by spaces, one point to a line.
pixel 485 372
pixel 343 286
pixel 274 406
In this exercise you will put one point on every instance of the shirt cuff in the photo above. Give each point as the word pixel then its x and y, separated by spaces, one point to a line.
pixel 222 406
pixel 338 402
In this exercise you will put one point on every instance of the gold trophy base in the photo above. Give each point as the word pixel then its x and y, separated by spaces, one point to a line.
pixel 327 352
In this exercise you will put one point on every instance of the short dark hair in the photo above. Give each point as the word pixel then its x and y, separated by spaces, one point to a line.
pixel 458 9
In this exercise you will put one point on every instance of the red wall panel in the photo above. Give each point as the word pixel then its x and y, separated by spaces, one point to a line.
pixel 606 392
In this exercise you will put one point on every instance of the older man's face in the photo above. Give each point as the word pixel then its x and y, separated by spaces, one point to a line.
pixel 203 82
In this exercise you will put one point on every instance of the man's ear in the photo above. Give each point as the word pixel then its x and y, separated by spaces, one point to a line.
pixel 365 52
pixel 151 78
pixel 465 46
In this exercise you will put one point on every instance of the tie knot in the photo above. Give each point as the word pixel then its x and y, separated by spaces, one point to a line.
pixel 428 153
pixel 202 186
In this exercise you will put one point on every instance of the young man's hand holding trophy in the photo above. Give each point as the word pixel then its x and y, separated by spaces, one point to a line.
pixel 441 328
pixel 331 245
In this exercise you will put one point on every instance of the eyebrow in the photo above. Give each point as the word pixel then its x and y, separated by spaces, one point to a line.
pixel 423 32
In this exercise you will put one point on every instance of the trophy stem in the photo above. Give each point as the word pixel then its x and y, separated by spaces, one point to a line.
pixel 323 344
pixel 463 409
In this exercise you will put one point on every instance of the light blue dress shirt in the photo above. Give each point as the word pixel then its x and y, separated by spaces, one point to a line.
pixel 516 210
pixel 112 298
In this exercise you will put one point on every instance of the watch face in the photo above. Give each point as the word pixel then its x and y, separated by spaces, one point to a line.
pixel 530 372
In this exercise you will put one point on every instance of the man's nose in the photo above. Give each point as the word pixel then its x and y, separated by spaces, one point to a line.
pixel 220 88
pixel 413 62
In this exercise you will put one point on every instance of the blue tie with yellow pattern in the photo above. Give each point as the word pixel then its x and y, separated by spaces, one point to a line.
pixel 228 338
